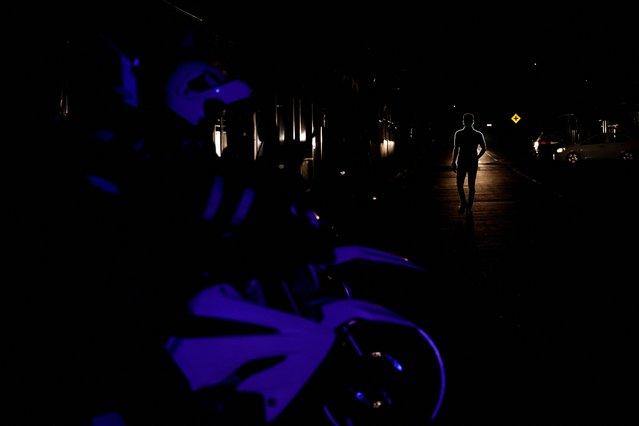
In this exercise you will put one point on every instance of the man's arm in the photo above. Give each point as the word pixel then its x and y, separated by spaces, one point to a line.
pixel 453 163
pixel 482 146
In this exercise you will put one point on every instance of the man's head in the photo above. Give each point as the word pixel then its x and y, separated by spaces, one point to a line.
pixel 468 119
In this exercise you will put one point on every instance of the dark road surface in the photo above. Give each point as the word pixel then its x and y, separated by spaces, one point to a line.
pixel 531 299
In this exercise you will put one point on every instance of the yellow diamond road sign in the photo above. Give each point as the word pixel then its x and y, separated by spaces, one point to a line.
pixel 515 118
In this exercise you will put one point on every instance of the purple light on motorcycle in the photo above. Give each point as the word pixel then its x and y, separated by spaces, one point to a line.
pixel 243 207
pixel 193 83
pixel 104 184
pixel 215 199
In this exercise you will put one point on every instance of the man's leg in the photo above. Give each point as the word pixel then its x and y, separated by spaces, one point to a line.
pixel 472 177
pixel 461 177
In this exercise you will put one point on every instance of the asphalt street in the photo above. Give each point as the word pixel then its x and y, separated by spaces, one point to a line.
pixel 529 298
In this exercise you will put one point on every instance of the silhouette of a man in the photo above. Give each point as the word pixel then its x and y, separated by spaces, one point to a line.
pixel 465 160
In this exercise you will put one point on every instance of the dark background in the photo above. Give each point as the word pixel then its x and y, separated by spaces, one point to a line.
pixel 478 56
pixel 430 62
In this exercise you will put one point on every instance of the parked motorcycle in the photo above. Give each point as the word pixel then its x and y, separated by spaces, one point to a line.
pixel 300 346
pixel 269 328
pixel 330 360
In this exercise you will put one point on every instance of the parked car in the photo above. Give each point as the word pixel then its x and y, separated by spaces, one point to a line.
pixel 603 146
pixel 545 145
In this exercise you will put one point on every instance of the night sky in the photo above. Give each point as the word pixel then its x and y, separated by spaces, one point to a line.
pixel 500 41
pixel 430 59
